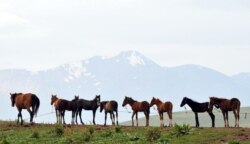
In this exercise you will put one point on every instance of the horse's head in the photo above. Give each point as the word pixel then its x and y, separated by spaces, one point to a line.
pixel 183 102
pixel 212 102
pixel 102 104
pixel 153 101
pixel 126 101
pixel 98 99
pixel 13 99
pixel 53 99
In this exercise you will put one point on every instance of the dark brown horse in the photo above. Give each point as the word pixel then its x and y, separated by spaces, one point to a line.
pixel 61 105
pixel 227 105
pixel 25 101
pixel 163 107
pixel 137 107
pixel 87 105
pixel 110 107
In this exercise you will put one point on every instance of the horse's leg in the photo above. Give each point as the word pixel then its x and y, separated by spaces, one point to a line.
pixel 63 114
pixel 227 118
pixel 105 118
pixel 197 119
pixel 111 117
pixel 113 114
pixel 235 117
pixel 94 117
pixel 224 116
pixel 31 114
pixel 19 115
pixel 117 118
pixel 160 114
pixel 212 118
pixel 133 118
pixel 80 115
pixel 170 118
pixel 73 117
pixel 136 116
pixel 77 112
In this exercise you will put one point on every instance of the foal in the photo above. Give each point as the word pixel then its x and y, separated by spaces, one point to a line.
pixel 163 107
pixel 110 107
pixel 137 107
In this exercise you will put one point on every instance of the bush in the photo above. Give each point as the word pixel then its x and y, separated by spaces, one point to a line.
pixel 91 130
pixel 4 141
pixel 118 129
pixel 59 130
pixel 233 142
pixel 35 135
pixel 181 130
pixel 153 134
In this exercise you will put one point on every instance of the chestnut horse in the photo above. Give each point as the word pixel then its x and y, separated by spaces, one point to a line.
pixel 227 105
pixel 137 107
pixel 163 107
pixel 110 107
pixel 61 105
pixel 25 101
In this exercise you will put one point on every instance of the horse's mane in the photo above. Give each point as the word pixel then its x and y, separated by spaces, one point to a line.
pixel 192 100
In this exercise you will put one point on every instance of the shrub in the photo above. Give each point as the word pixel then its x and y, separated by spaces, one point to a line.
pixel 59 131
pixel 91 130
pixel 118 129
pixel 181 130
pixel 4 141
pixel 34 134
pixel 233 142
pixel 153 134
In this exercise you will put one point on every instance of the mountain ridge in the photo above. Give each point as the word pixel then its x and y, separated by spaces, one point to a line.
pixel 129 73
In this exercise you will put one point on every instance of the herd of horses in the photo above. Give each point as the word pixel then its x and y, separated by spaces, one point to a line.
pixel 31 103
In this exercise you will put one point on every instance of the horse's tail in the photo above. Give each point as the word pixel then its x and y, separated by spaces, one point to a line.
pixel 238 108
pixel 35 104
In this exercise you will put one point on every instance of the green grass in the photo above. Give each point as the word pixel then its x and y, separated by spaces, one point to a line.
pixel 46 133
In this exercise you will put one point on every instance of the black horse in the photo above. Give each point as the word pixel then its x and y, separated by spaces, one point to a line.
pixel 198 108
pixel 87 105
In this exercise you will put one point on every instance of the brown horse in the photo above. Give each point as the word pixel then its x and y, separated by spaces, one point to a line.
pixel 163 107
pixel 227 105
pixel 61 105
pixel 110 107
pixel 137 107
pixel 25 101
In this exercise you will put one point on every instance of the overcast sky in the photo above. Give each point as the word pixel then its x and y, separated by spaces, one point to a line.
pixel 40 34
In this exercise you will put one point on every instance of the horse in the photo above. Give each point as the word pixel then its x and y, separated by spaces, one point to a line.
pixel 87 105
pixel 25 101
pixel 61 105
pixel 163 107
pixel 110 107
pixel 137 107
pixel 198 108
pixel 227 105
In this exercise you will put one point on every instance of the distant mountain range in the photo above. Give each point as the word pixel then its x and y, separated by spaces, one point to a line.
pixel 129 73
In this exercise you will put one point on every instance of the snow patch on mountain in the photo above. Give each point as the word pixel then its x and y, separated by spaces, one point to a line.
pixel 135 59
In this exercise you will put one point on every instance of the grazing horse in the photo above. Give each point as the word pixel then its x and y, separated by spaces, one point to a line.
pixel 163 107
pixel 137 107
pixel 198 108
pixel 25 101
pixel 87 105
pixel 61 105
pixel 110 107
pixel 227 105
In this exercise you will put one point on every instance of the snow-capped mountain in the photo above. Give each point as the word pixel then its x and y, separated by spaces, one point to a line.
pixel 129 73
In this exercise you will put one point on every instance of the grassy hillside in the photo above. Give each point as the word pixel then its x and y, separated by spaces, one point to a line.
pixel 44 133
pixel 204 119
